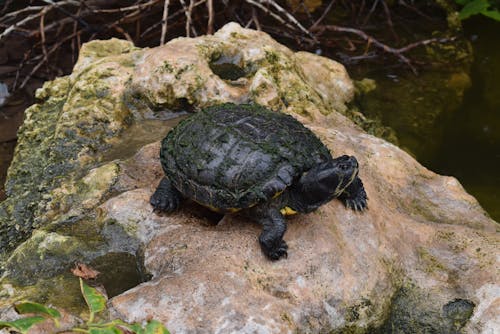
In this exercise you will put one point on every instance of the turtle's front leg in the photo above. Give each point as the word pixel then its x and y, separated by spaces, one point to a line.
pixel 271 239
pixel 166 198
pixel 354 196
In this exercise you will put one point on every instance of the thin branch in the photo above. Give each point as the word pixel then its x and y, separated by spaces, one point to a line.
pixel 210 24
pixel 57 24
pixel 256 19
pixel 325 12
pixel 164 22
pixel 188 17
pixel 403 3
pixel 20 67
pixel 370 12
pixel 389 20
pixel 173 16
pixel 57 5
pixel 370 40
pixel 190 10
pixel 23 10
pixel 426 42
pixel 267 11
pixel 19 23
pixel 123 32
pixel 129 8
pixel 114 24
pixel 291 18
pixel 396 52
pixel 50 51
pixel 6 6
pixel 42 35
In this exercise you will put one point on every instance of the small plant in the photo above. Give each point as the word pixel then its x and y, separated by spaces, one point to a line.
pixel 96 303
pixel 474 7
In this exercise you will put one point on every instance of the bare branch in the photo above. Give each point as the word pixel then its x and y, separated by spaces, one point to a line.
pixel 129 8
pixel 290 17
pixel 50 51
pixel 42 34
pixel 256 19
pixel 19 23
pixel 170 17
pixel 210 25
pixel 325 12
pixel 375 3
pixel 164 22
pixel 370 40
pixel 188 17
pixel 389 19
pixel 267 11
pixel 190 11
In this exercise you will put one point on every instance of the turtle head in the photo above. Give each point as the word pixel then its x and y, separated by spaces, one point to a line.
pixel 340 173
pixel 328 180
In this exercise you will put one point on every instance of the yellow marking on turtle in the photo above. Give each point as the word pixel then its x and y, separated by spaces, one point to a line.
pixel 288 211
pixel 233 210
pixel 228 210
pixel 277 194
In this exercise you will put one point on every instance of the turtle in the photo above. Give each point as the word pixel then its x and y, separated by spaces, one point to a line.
pixel 260 163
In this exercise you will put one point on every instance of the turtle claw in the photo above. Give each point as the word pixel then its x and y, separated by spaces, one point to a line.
pixel 166 198
pixel 164 204
pixel 277 253
pixel 357 204
pixel 354 197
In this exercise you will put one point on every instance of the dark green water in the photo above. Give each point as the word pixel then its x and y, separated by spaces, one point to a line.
pixel 470 148
pixel 449 120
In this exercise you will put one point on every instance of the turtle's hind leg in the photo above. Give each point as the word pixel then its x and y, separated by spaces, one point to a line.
pixel 271 239
pixel 354 196
pixel 165 198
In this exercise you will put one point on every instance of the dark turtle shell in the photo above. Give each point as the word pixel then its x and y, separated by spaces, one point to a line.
pixel 229 157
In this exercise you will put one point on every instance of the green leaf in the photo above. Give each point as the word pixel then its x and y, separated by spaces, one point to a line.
pixel 30 307
pixel 95 300
pixel 22 325
pixel 473 8
pixel 492 14
pixel 156 327
pixel 105 330
pixel 134 328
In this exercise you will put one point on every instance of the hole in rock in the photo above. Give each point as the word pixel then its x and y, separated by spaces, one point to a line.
pixel 183 106
pixel 227 67
pixel 119 272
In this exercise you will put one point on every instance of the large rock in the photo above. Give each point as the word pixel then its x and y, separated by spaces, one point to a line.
pixel 423 258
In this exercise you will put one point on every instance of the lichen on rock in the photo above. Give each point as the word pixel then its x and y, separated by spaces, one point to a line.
pixel 76 117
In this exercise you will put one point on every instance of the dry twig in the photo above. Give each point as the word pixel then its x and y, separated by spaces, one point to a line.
pixel 164 21
pixel 289 17
pixel 210 24
pixel 153 21
pixel 50 51
pixel 370 40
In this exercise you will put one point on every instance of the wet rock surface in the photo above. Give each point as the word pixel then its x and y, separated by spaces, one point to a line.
pixel 423 257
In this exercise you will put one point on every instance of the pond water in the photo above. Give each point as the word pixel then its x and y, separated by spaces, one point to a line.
pixel 449 134
pixel 470 148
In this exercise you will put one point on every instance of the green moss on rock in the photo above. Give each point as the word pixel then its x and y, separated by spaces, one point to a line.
pixel 64 135
pixel 413 310
pixel 42 256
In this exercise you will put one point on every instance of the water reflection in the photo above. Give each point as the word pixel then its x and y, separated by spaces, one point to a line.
pixel 470 149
